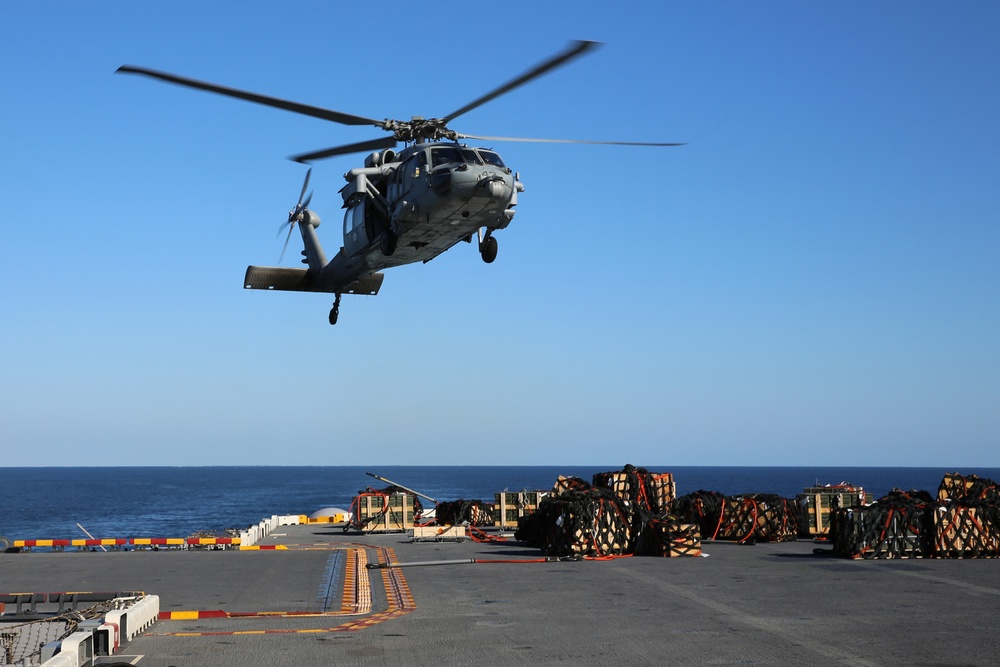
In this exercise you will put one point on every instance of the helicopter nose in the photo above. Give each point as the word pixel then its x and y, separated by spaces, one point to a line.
pixel 496 188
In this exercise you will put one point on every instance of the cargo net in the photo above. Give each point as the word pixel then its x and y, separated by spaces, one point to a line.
pixel 651 493
pixel 955 486
pixel 564 484
pixel 963 523
pixel 747 519
pixel 581 521
pixel 359 522
pixel 894 526
pixel 465 512
pixel 667 536
pixel 966 528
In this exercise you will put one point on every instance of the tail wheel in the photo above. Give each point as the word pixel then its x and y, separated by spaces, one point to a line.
pixel 488 249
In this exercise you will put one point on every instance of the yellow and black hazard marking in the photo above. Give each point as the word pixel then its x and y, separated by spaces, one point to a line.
pixel 356 600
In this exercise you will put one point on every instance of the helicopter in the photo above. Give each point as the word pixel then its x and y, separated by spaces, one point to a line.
pixel 400 207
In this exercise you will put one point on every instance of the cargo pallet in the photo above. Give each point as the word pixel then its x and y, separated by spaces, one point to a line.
pixel 817 501
pixel 512 505
pixel 382 513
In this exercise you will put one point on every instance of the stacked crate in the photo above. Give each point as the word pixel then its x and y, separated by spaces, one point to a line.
pixel 510 506
pixel 816 502
pixel 896 526
pixel 955 486
pixel 380 512
pixel 564 484
pixel 662 491
pixel 593 522
pixel 652 491
pixel 670 539
pixel 965 529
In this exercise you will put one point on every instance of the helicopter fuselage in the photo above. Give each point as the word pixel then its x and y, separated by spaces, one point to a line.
pixel 426 199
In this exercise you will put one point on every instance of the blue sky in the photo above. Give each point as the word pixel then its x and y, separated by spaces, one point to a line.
pixel 812 280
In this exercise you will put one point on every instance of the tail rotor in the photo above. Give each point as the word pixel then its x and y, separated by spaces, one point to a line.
pixel 297 214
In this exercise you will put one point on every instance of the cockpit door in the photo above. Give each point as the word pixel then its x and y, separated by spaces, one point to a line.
pixel 355 236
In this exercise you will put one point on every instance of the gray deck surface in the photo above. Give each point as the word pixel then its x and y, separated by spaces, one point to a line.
pixel 768 604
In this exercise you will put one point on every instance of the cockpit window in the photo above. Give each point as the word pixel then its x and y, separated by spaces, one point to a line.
pixel 470 156
pixel 491 158
pixel 441 155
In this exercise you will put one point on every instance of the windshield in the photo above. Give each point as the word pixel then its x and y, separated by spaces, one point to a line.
pixel 441 155
pixel 491 158
pixel 470 156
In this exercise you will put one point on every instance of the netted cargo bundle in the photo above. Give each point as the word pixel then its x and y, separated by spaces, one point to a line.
pixel 592 522
pixel 895 526
pixel 702 508
pixel 668 537
pixel 653 492
pixel 564 484
pixel 955 486
pixel 755 517
pixel 965 529
pixel 465 512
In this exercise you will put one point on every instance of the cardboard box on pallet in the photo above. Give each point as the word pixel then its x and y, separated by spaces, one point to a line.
pixel 512 505
pixel 380 513
pixel 816 502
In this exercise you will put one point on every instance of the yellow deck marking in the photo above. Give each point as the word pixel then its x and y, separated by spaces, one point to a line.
pixel 357 599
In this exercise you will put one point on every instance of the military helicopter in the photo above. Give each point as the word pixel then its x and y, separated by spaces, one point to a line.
pixel 401 207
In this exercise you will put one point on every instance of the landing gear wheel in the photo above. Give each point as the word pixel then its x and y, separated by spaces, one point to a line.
pixel 335 311
pixel 488 249
pixel 387 242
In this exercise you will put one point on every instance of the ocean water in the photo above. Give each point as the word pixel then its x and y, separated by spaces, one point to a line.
pixel 48 503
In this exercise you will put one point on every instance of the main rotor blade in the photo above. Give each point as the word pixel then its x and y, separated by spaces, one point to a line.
pixel 569 141
pixel 317 112
pixel 575 49
pixel 360 147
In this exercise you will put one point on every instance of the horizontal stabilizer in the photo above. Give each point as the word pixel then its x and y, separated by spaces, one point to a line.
pixel 300 280
pixel 368 285
pixel 277 278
